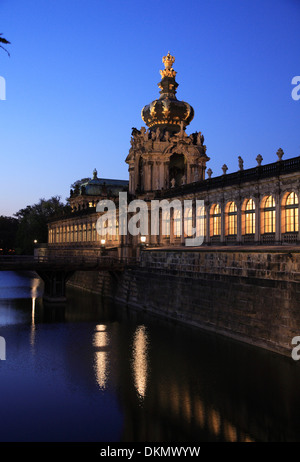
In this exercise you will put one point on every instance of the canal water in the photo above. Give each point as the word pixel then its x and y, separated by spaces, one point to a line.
pixel 94 371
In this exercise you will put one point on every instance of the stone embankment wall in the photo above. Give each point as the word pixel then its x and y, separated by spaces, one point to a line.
pixel 250 295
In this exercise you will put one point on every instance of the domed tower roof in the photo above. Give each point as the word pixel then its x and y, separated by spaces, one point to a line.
pixel 167 112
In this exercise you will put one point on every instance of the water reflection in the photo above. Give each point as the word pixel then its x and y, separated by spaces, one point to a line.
pixel 143 378
pixel 140 360
pixel 33 327
pixel 100 342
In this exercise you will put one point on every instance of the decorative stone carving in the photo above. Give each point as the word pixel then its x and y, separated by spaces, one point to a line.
pixel 280 154
pixel 241 163
pixel 173 183
pixel 224 168
pixel 259 159
pixel 209 172
pixel 200 139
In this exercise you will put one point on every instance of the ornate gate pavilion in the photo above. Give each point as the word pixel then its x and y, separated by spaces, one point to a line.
pixel 252 206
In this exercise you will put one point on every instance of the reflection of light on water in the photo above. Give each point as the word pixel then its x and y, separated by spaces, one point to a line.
pixel 100 341
pixel 35 284
pixel 140 344
pixel 32 331
pixel 214 422
pixel 230 432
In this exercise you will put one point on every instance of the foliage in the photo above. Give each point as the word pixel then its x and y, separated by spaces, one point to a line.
pixel 6 42
pixel 8 231
pixel 33 220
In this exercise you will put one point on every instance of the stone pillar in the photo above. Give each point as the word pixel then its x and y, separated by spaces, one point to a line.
pixel 277 218
pixel 182 237
pixel 222 237
pixel 171 226
pixel 194 217
pixel 257 218
pixel 239 222
pixel 207 208
pixel 166 175
pixel 132 185
pixel 151 188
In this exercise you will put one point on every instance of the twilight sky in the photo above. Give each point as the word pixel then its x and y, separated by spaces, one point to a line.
pixel 80 72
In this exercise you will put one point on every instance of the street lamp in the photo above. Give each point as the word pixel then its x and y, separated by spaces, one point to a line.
pixel 35 241
pixel 143 240
pixel 102 243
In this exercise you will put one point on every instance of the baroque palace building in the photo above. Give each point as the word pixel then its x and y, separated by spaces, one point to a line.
pixel 259 205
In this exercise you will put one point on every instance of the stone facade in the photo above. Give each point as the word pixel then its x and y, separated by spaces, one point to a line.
pixel 243 279
pixel 259 205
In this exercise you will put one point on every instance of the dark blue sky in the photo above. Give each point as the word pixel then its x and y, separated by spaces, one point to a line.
pixel 81 71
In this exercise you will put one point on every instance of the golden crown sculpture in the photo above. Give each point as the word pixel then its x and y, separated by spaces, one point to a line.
pixel 168 62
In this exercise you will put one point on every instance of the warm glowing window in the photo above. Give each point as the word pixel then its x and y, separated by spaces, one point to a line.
pixel 188 222
pixel 269 215
pixel 231 218
pixel 216 220
pixel 201 221
pixel 177 223
pixel 292 213
pixel 89 233
pixel 117 229
pixel 250 217
pixel 166 223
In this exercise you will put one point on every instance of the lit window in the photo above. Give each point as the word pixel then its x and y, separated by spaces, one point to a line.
pixel 269 215
pixel 201 221
pixel 166 223
pixel 188 222
pixel 292 213
pixel 250 217
pixel 231 218
pixel 177 223
pixel 216 220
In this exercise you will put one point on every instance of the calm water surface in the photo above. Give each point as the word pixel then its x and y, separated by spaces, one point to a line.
pixel 96 372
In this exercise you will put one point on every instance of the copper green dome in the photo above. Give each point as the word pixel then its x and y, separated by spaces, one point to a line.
pixel 167 112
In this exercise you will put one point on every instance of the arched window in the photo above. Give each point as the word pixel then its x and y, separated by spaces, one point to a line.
pixel 292 213
pixel 165 229
pixel 268 215
pixel 88 232
pixel 215 220
pixel 249 217
pixel 94 235
pixel 231 219
pixel 188 222
pixel 177 223
pixel 201 221
pixel 75 233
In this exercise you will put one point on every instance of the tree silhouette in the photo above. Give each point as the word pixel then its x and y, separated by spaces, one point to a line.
pixel 3 40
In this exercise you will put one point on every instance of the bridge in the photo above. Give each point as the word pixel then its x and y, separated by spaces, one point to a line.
pixel 55 271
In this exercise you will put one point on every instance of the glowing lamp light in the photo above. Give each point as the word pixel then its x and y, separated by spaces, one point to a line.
pixel 35 241
pixel 143 239
pixel 102 241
